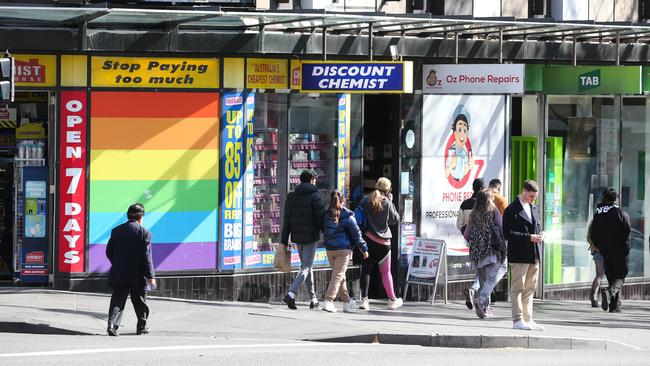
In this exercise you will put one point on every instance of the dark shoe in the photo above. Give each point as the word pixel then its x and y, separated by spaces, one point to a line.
pixel 615 307
pixel 479 308
pixel 604 295
pixel 469 295
pixel 291 303
pixel 594 303
pixel 112 331
pixel 315 306
pixel 142 331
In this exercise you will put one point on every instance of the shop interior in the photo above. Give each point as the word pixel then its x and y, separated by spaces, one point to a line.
pixel 23 142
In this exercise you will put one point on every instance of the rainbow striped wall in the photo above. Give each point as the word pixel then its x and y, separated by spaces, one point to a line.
pixel 160 149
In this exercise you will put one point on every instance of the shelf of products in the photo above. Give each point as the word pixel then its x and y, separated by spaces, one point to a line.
pixel 266 216
pixel 310 151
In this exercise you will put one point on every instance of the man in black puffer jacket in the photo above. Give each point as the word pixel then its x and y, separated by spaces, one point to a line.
pixel 610 233
pixel 303 221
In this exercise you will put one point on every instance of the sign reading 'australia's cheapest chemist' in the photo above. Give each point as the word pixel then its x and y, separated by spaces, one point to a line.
pixel 334 77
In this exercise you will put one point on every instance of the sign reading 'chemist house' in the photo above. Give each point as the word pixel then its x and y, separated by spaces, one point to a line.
pixel 380 77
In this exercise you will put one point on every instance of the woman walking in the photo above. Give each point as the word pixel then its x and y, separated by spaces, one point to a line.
pixel 486 248
pixel 380 212
pixel 599 262
pixel 341 235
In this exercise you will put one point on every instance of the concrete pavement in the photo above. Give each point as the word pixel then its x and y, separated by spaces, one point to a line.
pixel 569 325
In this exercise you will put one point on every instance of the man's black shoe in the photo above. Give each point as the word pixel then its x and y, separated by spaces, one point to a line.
pixel 469 295
pixel 291 303
pixel 604 303
pixel 112 331
pixel 142 331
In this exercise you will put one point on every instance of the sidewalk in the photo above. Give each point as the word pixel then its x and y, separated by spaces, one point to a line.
pixel 568 324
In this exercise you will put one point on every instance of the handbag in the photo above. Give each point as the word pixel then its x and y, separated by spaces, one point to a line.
pixel 282 260
pixel 359 215
pixel 498 243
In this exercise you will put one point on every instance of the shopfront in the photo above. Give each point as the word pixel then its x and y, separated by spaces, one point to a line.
pixel 594 120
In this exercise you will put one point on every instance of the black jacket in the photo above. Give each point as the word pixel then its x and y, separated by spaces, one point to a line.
pixel 517 231
pixel 303 215
pixel 129 251
pixel 610 233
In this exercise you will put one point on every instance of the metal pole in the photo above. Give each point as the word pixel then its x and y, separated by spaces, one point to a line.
pixel 324 45
pixel 618 48
pixel 500 46
pixel 575 51
pixel 370 41
pixel 456 47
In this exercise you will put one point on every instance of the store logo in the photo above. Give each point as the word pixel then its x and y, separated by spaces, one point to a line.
pixel 433 81
pixel 35 257
pixel 589 80
pixel 30 71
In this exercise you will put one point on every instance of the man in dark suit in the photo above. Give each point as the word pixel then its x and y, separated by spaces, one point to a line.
pixel 523 229
pixel 129 251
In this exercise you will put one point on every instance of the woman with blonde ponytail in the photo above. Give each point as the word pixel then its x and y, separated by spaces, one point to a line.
pixel 380 212
pixel 342 234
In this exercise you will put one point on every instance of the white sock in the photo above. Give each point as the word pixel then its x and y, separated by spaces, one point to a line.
pixel 291 295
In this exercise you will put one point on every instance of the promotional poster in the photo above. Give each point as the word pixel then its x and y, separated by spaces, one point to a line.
pixel 463 139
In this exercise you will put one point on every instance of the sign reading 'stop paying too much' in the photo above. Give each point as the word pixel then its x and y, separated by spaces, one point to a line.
pixel 136 72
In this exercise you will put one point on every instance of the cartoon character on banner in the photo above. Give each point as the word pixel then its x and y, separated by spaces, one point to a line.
pixel 459 159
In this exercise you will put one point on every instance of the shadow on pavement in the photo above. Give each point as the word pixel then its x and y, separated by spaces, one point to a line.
pixel 28 328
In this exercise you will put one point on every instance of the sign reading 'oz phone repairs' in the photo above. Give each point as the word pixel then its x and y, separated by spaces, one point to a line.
pixel 136 72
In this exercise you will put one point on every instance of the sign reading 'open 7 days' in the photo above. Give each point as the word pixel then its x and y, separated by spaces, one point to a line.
pixel 136 72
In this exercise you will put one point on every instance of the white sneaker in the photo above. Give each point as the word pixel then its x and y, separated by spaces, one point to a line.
pixel 329 307
pixel 395 304
pixel 521 325
pixel 350 306
pixel 365 304
pixel 535 326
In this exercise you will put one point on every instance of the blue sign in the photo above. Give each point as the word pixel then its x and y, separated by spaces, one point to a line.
pixel 34 251
pixel 233 138
pixel 352 76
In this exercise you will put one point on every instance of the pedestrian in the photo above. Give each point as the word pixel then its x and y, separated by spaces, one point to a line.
pixel 599 263
pixel 523 230
pixel 342 234
pixel 132 270
pixel 466 208
pixel 610 233
pixel 486 249
pixel 499 201
pixel 303 220
pixel 380 212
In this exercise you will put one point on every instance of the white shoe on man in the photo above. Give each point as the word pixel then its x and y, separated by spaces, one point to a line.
pixel 534 326
pixel 521 325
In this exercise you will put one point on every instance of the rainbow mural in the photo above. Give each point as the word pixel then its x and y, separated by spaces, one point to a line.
pixel 160 149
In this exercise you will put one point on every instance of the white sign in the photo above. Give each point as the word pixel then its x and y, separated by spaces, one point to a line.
pixel 473 79
pixel 463 139
pixel 425 261
pixel 8 114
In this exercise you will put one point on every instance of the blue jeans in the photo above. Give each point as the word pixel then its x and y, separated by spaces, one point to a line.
pixel 501 271
pixel 306 273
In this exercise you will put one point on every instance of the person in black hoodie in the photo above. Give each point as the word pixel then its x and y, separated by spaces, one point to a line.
pixel 610 233
pixel 303 221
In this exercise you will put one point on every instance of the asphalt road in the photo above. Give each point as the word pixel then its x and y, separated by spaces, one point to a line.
pixel 22 349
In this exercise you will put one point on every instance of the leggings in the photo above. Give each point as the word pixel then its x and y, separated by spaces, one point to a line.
pixel 378 254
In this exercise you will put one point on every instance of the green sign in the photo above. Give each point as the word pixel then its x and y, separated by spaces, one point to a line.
pixel 645 79
pixel 590 80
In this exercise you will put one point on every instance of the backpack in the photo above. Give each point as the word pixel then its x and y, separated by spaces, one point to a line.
pixel 359 215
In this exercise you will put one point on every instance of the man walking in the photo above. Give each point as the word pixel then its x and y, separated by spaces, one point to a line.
pixel 610 233
pixel 129 251
pixel 466 208
pixel 522 229
pixel 304 212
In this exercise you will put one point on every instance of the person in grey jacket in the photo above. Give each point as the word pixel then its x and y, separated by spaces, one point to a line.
pixel 303 221
pixel 380 212
pixel 342 234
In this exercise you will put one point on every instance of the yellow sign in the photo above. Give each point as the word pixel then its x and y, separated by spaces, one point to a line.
pixel 30 131
pixel 136 72
pixel 267 73
pixel 35 70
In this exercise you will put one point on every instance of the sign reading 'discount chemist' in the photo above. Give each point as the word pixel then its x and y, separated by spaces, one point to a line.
pixel 386 77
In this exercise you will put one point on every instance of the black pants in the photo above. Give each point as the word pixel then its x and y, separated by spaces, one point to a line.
pixel 614 289
pixel 118 301
pixel 377 254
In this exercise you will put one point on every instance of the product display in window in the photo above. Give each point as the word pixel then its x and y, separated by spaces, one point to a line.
pixel 266 217
pixel 310 151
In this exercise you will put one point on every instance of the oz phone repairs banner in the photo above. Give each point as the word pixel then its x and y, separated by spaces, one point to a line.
pixel 463 139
